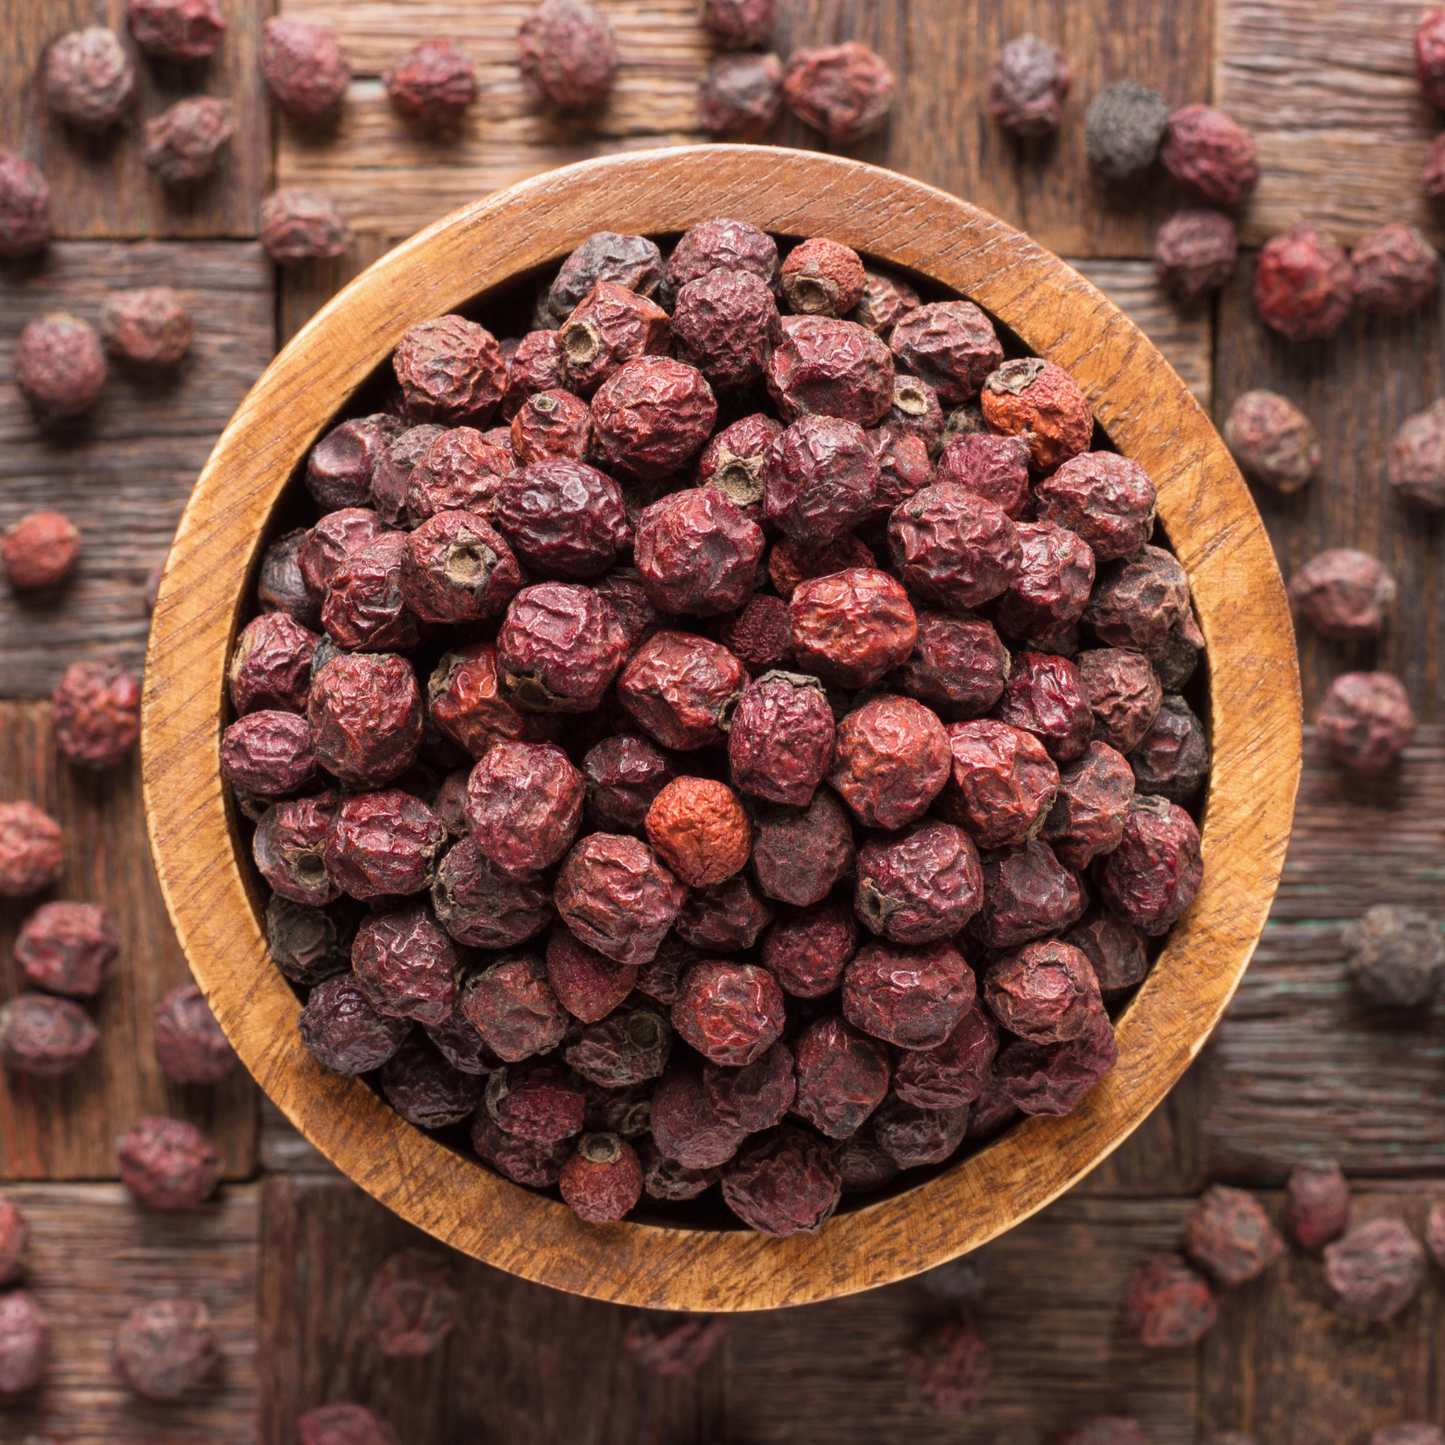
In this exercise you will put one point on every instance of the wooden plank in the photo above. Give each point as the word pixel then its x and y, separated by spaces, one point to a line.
pixel 1329 91
pixel 282 1148
pixel 101 187
pixel 1357 388
pixel 527 1365
pixel 94 1256
pixel 66 1128
pixel 388 180
pixel 1300 1067
pixel 1287 1368
pixel 123 473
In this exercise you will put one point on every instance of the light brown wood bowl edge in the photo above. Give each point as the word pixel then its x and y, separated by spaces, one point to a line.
pixel 1206 511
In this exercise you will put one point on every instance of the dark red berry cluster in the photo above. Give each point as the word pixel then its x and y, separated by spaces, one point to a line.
pixel 731 735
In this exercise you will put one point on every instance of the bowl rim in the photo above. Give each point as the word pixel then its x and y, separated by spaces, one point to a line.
pixel 1148 412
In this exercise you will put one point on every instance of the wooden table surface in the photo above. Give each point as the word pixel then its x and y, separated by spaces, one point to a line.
pixel 1297 1070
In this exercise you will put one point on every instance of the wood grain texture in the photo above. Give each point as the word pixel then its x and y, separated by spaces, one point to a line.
pixel 66 1128
pixel 1301 1067
pixel 1286 1367
pixel 1357 387
pixel 391 181
pixel 1329 91
pixel 525 1365
pixel 93 1257
pixel 101 187
pixel 122 473
pixel 1203 506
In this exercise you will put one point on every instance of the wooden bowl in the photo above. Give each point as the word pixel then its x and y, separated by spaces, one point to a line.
pixel 1205 509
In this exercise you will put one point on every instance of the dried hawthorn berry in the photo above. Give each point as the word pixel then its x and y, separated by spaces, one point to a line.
pixel 458 1042
pixel 40 550
pixel 1138 599
pixel 298 226
pixel 623 591
pixel 723 917
pixel 913 998
pixel 268 754
pixel 852 626
pixel 44 1036
pixel 617 898
pixel 1194 252
pixel 183 144
pixel 431 469
pixel 483 907
pixel 148 327
pixel 513 1006
pixel 903 467
pixel 423 1087
pixel 697 553
pixel 1176 658
pixel 1027 84
pixel 958 665
pixel 726 324
pixel 411 1303
pixel 32 849
pixel 551 424
pixel 825 367
pixel 686 1128
pixel 1051 588
pixel 1172 758
pixel 271 666
pixel 1154 873
pixel 340 468
pixel 1088 813
pixel 96 714
pixel 885 300
pixel 665 1178
pixel 88 79
pixel 535 365
pixel 432 84
pixel 451 370
pixel 1027 893
pixel 739 24
pixel 539 1102
pixel 59 367
pixel 1303 283
pixel 912 1136
pixel 406 965
pixel 1105 499
pixel 652 416
pixel 588 984
pixel 365 715
pixel 623 774
pixel 731 1013
pixel 524 805
pixel 953 1073
pixel 756 1096
pixel 807 949
pixel 682 689
pixel 383 845
pixel 620 1111
pixel 783 1182
pixel 1210 153
pixel 609 327
pixel 24 209
pixel 625 1049
pixel 820 479
pixel 1123 129
pixel 1273 441
pixel 1343 594
pixel 465 702
pixel 1123 692
pixel 344 1032
pixel 1116 950
pixel 1317 1204
pixel 995 468
pixel 455 568
pixel 842 1076
pixel 1375 1269
pixel 1002 782
pixel 602 1180
pixel 1168 1304
pixel 1231 1236
pixel 1035 399
pixel 732 462
pixel 520 1160
pixel 1046 993
pixel 918 887
pixel 891 760
pixel 567 53
pixel 176 29
pixel 559 648
pixel 863 1165
pixel 949 1367
pixel 698 828
pixel 365 609
pixel 305 69
pixel 821 278
pixel 951 345
pixel 1045 696
pixel 1416 462
pixel 995 1111
pixel 1365 720
pixel 759 634
pixel 336 538
pixel 1396 269
pixel 845 91
pixel 740 95
pixel 68 948
pixel 1396 956
pixel 1119 1430
pixel 166 1349
pixel 287 849
pixel 190 1046
pixel 791 563
pixel 630 261
pixel 800 853
pixel 780 744
pixel 167 1163
pixel 679 1345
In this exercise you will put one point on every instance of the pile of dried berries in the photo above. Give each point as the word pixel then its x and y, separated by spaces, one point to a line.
pixel 680 765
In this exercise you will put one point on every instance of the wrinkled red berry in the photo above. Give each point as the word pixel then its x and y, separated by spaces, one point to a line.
pixel 1046 993
pixel 559 648
pixel 1396 269
pixel 268 754
pixel 521 1160
pixel 1376 1269
pixel 913 998
pixel 726 324
pixel 625 1049
pixel 842 1076
pixel 682 689
pixel 791 563
pixel 1231 1236
pixel 852 626
pixel 190 1046
pixel 24 208
pixel 432 469
pixel 780 743
pixel 952 546
pixel 32 849
pixel 783 1182
pixel 1211 153
pixel 652 416
pixel 862 1164
pixel 826 367
pixel 68 948
pixel 731 1013
pixel 1027 84
pixel 513 1007
pixel 821 278
pixel 589 984
pixel 1154 873
pixel 892 758
pixel 1317 1204
pixel 271 665
pixel 44 1036
pixel 524 805
pixel 845 91
pixel 95 712
pixel 451 370
pixel 740 95
pixel 425 1089
pixel 723 917
pixel 686 1127
pixel 1002 784
pixel 148 326
pixel 298 226
pixel 759 634
pixel 406 965
pixel 698 828
pixel 958 665
pixel 820 479
pixel 455 568
pixel 365 608
pixel 732 461
pixel 807 949
pixel 995 468
pixel 365 716
pixel 800 853
pixel 166 1348
pixel 1168 1304
pixel 551 424
pixel 465 702
pixel 1045 696
pixel 603 1179
pixel 697 553
pixel 433 83
pixel 1303 283
pixel 1272 440
pixel 617 898
pixel 953 1073
pixel 949 1368
pixel 1343 594
pixel 1123 692
pixel 1027 893
pixel 1034 398
pixel 567 53
pixel 288 845
pixel 912 1136
pixel 1088 812
pixel 183 144
pixel 40 550
pixel 167 1163
pixel 623 775
pixel 1194 253
pixel 949 344
pixel 921 886
pixel 304 67
pixel 538 1102
pixel 1051 589
pixel 885 300
pixel 1364 720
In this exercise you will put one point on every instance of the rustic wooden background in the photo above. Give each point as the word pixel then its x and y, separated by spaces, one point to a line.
pixel 1297 1070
